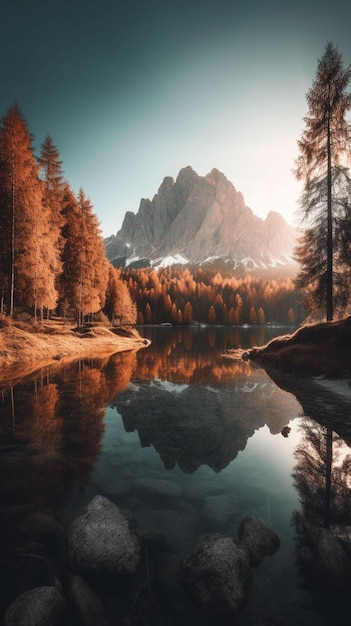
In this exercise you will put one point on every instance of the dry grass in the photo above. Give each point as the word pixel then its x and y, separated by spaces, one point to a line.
pixel 313 350
pixel 24 350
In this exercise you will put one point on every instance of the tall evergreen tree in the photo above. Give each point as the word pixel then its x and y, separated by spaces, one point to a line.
pixel 26 277
pixel 119 305
pixel 54 181
pixel 322 166
pixel 96 264
pixel 85 267
pixel 54 186
pixel 70 253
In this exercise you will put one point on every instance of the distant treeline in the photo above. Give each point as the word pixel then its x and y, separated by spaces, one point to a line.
pixel 181 296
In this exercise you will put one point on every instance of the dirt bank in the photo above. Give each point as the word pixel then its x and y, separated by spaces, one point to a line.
pixel 322 349
pixel 22 352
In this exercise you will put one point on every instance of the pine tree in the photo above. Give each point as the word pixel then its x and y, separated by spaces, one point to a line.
pixel 212 315
pixel 54 186
pixel 188 313
pixel 321 165
pixel 25 275
pixel 96 265
pixel 119 304
pixel 85 267
pixel 54 181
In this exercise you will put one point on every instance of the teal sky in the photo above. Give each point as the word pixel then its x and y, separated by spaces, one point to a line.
pixel 132 92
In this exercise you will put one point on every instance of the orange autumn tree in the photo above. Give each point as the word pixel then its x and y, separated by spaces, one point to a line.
pixel 96 264
pixel 85 268
pixel 54 185
pixel 119 306
pixel 27 280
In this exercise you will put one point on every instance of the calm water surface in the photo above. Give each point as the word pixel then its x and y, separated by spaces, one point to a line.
pixel 186 443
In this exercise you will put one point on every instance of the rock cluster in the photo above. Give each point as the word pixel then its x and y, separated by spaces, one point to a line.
pixel 105 558
pixel 217 574
pixel 100 545
pixel 102 572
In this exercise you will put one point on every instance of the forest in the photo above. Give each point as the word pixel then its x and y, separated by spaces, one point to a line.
pixel 52 257
pixel 179 296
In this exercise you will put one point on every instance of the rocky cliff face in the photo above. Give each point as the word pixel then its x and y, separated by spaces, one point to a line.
pixel 198 219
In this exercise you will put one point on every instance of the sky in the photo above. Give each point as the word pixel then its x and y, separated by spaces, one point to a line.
pixel 133 91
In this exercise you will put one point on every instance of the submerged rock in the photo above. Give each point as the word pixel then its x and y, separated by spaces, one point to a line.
pixel 101 541
pixel 257 539
pixel 41 606
pixel 87 603
pixel 330 560
pixel 217 576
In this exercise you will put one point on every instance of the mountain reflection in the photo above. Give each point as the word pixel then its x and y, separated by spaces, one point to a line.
pixel 193 426
pixel 52 423
pixel 195 407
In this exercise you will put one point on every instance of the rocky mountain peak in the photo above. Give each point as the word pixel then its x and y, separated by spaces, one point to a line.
pixel 195 219
pixel 275 219
pixel 217 179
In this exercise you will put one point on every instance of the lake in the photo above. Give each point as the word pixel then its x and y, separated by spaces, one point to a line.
pixel 186 443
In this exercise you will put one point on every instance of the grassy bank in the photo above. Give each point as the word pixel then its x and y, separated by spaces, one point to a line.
pixel 322 349
pixel 27 348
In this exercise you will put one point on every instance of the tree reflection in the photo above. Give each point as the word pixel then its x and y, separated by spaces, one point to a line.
pixel 51 430
pixel 322 477
pixel 322 473
pixel 323 480
pixel 51 426
pixel 184 356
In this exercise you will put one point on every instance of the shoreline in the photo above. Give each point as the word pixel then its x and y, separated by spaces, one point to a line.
pixel 320 349
pixel 312 351
pixel 23 352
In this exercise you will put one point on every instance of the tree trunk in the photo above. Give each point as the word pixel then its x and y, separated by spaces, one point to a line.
pixel 329 233
pixel 328 472
pixel 12 279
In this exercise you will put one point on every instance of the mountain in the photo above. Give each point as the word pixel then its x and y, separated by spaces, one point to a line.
pixel 199 219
